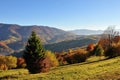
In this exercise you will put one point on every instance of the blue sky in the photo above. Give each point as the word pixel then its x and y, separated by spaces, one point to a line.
pixel 62 14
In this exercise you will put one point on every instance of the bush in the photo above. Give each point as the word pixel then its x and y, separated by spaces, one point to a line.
pixel 21 63
pixel 2 60
pixel 3 67
pixel 42 65
pixel 61 58
pixel 80 57
pixel 76 56
pixel 113 52
pixel 53 59
pixel 90 47
pixel 9 61
pixel 98 50
pixel 45 64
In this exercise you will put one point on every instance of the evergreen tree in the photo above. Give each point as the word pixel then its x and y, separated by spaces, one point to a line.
pixel 33 52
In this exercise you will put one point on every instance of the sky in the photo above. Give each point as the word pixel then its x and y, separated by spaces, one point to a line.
pixel 62 14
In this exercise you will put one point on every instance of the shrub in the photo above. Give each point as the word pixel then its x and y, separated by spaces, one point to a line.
pixel 110 42
pixel 2 60
pixel 9 61
pixel 98 51
pixel 76 56
pixel 42 65
pixel 90 47
pixel 113 52
pixel 45 64
pixel 21 63
pixel 80 57
pixel 53 59
pixel 61 58
pixel 3 67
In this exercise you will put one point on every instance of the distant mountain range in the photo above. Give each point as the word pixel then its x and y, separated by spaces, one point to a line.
pixel 86 32
pixel 14 37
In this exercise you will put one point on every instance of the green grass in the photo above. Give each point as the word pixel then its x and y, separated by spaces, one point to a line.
pixel 93 68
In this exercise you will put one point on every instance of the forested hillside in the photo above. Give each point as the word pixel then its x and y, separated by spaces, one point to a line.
pixel 14 37
pixel 66 45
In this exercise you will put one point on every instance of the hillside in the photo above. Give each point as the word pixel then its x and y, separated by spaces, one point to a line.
pixel 65 45
pixel 14 37
pixel 91 70
pixel 82 41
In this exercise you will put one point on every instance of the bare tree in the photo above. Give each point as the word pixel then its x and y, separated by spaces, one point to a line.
pixel 108 37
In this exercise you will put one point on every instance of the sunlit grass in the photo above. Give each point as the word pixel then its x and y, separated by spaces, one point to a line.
pixel 92 69
pixel 13 72
pixel 95 58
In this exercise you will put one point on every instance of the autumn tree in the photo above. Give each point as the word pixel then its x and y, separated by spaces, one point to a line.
pixel 109 40
pixel 3 67
pixel 113 52
pixel 11 62
pixel 34 53
pixel 76 56
pixel 108 37
pixel 8 62
pixel 52 57
pixel 90 47
pixel 21 63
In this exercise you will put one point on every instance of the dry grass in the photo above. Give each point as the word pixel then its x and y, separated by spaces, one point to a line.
pixel 92 69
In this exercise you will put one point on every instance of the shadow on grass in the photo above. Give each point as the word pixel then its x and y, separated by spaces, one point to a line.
pixel 82 63
pixel 8 77
pixel 94 61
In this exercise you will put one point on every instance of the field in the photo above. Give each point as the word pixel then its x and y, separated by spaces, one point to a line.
pixel 93 69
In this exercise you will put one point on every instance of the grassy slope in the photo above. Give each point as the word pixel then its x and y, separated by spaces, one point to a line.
pixel 105 69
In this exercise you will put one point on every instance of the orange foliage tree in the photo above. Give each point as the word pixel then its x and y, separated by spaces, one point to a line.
pixel 76 56
pixel 21 63
pixel 109 41
pixel 90 47
pixel 8 62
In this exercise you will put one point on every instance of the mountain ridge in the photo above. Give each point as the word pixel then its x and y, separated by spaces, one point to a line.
pixel 14 37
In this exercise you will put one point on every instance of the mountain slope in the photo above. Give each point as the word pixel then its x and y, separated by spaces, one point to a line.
pixel 65 45
pixel 22 32
pixel 82 42
pixel 15 36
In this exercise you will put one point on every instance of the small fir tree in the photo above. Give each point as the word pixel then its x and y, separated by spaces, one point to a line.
pixel 34 52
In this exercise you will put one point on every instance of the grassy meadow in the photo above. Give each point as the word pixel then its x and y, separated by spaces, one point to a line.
pixel 96 68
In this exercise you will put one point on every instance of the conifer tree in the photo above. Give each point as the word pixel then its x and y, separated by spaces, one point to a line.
pixel 33 52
